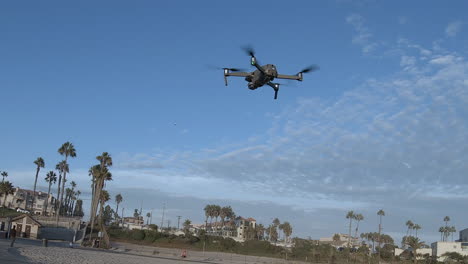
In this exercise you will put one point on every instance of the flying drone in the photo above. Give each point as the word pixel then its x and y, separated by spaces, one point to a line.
pixel 263 74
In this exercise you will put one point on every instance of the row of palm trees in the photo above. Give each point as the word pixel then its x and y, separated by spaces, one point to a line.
pixel 215 211
pixel 446 230
pixel 63 205
pixel 285 227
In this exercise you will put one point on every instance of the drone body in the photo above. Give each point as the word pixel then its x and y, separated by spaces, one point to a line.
pixel 263 74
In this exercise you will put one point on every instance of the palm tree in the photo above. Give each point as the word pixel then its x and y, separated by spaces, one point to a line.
pixel 40 164
pixel 223 214
pixel 4 175
pixel 287 230
pixel 441 231
pixel 281 228
pixel 380 213
pixel 358 218
pixel 148 215
pixel 186 226
pixel 452 230
pixel 68 150
pixel 446 220
pixel 118 200
pixel 409 224
pixel 350 216
pixel 276 223
pixel 51 178
pixel 6 188
pixel 100 174
pixel 416 227
pixel 61 167
pixel 208 213
pixel 103 199
pixel 414 243
pixel 216 213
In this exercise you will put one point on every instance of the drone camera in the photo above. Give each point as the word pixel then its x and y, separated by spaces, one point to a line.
pixel 300 76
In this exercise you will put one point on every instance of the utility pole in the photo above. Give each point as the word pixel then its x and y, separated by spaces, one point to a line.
pixel 178 221
pixel 162 219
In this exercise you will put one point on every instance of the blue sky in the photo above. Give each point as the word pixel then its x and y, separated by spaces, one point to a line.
pixel 383 124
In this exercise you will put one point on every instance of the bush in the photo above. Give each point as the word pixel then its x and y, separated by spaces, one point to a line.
pixel 137 234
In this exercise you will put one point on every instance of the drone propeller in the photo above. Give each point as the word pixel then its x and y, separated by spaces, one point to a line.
pixel 249 50
pixel 310 69
pixel 233 69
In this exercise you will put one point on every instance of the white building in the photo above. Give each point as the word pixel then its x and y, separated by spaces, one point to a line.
pixel 24 199
pixel 464 235
pixel 439 248
pixel 341 242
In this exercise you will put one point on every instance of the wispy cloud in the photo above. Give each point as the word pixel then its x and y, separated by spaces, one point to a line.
pixel 453 28
pixel 362 35
pixel 388 141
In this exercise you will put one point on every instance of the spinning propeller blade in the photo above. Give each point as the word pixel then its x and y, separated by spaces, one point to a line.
pixel 310 69
pixel 249 50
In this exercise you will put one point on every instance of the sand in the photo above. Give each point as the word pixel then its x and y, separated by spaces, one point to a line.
pixel 129 253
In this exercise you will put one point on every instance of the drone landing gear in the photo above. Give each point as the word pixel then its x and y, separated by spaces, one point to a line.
pixel 275 87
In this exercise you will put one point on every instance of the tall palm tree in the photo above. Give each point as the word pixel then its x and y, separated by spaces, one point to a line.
pixel 61 167
pixel 281 228
pixel 380 213
pixel 51 178
pixel 67 150
pixel 4 175
pixel 287 230
pixel 452 230
pixel 208 213
pixel 99 176
pixel 409 224
pixel 441 230
pixel 6 188
pixel 276 223
pixel 223 213
pixel 416 227
pixel 148 215
pixel 358 218
pixel 40 164
pixel 118 200
pixel 350 216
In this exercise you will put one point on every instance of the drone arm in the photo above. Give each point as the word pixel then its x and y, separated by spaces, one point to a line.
pixel 227 73
pixel 238 74
pixel 290 77
pixel 275 87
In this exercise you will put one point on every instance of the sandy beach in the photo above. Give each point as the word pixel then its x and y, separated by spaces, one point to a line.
pixel 123 253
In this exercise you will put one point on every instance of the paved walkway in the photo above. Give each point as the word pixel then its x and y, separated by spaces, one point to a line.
pixel 10 255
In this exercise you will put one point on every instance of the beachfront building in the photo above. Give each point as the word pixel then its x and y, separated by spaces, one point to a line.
pixel 134 223
pixel 340 240
pixel 463 235
pixel 26 226
pixel 23 200
pixel 441 247
pixel 242 225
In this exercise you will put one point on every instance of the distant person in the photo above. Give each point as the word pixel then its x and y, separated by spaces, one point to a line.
pixel 13 236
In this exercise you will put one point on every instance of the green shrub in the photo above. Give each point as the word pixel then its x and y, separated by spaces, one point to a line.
pixel 137 234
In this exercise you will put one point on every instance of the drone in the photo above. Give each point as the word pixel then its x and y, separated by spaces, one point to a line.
pixel 263 74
